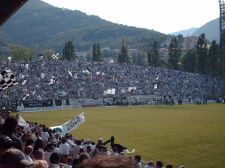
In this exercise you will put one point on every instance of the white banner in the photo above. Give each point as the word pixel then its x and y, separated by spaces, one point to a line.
pixel 70 125
pixel 22 122
pixel 109 91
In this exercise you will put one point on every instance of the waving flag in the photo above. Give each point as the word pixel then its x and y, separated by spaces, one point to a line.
pixel 7 79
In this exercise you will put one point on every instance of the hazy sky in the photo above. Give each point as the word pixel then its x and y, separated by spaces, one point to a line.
pixel 165 16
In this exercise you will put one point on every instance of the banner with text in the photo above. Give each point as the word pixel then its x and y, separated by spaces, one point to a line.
pixel 70 125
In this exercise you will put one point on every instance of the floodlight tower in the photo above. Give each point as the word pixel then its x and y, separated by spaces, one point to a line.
pixel 222 44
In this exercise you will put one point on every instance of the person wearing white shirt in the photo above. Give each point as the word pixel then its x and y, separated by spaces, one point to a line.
pixel 48 152
pixel 64 148
pixel 45 136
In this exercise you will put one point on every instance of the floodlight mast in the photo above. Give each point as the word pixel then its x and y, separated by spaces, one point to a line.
pixel 222 44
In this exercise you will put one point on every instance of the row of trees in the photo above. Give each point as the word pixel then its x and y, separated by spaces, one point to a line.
pixel 203 58
pixel 23 53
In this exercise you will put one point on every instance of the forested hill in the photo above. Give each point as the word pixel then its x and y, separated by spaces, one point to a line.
pixel 211 30
pixel 40 25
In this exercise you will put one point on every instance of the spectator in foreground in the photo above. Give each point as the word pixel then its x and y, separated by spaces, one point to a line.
pixel 28 152
pixel 14 158
pixel 103 161
pixel 169 166
pixel 5 143
pixel 9 129
pixel 159 164
pixel 54 160
pixel 40 164
pixel 137 159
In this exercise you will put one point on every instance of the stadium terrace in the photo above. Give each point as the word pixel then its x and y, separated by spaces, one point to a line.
pixel 47 83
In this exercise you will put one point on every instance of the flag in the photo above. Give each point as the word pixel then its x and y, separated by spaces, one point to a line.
pixel 70 73
pixel 27 66
pixel 22 122
pixel 21 76
pixel 7 79
pixel 70 125
pixel 26 96
pixel 130 89
pixel 155 86
pixel 24 82
pixel 42 75
pixel 109 91
pixel 55 56
pixel 52 80
pixel 86 72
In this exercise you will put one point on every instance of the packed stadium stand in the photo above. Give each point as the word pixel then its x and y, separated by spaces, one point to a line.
pixel 47 83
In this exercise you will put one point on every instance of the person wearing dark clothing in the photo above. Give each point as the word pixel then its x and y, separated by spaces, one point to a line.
pixel 117 148
pixel 9 129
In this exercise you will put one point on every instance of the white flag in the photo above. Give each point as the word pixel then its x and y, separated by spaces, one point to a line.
pixel 27 66
pixel 24 82
pixel 51 81
pixel 22 122
pixel 42 75
pixel 131 88
pixel 10 58
pixel 70 73
pixel 109 91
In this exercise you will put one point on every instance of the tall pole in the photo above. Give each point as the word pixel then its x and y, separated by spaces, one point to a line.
pixel 222 44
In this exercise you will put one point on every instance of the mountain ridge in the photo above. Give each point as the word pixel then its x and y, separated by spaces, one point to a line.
pixel 211 30
pixel 185 32
pixel 40 25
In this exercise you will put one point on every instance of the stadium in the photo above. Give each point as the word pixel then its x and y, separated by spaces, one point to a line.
pixel 148 116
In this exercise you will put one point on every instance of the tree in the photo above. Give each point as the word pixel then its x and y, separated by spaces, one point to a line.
pixel 202 56
pixel 140 58
pixel 174 54
pixel 214 58
pixel 123 55
pixel 153 55
pixel 69 51
pixel 189 61
pixel 47 53
pixel 22 53
pixel 96 53
pixel 180 40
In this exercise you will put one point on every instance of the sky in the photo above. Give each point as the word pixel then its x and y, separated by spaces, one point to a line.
pixel 165 16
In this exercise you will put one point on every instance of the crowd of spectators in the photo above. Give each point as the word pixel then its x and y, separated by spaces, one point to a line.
pixel 37 146
pixel 54 80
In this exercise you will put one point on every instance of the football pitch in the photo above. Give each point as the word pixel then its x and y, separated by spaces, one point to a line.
pixel 189 135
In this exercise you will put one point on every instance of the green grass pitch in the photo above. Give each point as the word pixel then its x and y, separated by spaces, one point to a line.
pixel 191 135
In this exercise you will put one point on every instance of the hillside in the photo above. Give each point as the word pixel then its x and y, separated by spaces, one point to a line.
pixel 40 25
pixel 211 30
pixel 185 33
pixel 4 45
